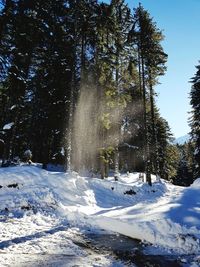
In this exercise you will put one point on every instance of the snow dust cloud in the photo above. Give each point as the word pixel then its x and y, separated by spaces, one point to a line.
pixel 85 128
pixel 98 126
pixel 89 134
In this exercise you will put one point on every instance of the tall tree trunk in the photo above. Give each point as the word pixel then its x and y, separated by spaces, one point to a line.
pixel 70 110
pixel 70 124
pixel 116 157
pixel 147 155
pixel 141 105
pixel 155 143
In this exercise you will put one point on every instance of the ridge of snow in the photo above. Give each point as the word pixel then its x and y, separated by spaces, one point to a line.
pixel 164 215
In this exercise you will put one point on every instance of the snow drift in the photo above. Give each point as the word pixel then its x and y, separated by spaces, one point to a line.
pixel 164 215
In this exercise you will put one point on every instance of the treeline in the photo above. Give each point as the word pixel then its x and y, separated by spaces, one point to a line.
pixel 195 121
pixel 77 84
pixel 187 155
pixel 184 164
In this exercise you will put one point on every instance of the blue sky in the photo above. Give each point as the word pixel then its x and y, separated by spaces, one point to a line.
pixel 179 20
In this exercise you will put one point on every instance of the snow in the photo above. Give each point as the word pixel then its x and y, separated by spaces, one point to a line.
pixel 41 240
pixel 196 183
pixel 39 207
pixel 130 146
pixel 62 151
pixel 8 126
pixel 13 107
pixel 196 152
pixel 28 154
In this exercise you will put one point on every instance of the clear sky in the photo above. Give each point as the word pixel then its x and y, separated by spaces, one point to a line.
pixel 180 22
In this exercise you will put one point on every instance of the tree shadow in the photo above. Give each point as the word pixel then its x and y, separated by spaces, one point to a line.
pixel 23 239
pixel 186 210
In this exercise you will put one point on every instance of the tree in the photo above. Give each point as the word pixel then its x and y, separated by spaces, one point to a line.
pixel 17 35
pixel 195 119
pixel 78 84
pixel 185 168
pixel 122 24
pixel 151 60
pixel 167 154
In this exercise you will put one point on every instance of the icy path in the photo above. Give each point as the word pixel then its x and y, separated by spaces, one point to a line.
pixel 37 241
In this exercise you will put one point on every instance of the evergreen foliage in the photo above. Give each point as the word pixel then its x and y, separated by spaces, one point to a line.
pixel 195 119
pixel 54 54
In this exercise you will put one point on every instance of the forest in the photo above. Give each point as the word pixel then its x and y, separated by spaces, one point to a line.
pixel 78 88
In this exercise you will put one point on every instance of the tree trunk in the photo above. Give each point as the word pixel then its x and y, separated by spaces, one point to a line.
pixel 147 156
pixel 116 157
pixel 155 143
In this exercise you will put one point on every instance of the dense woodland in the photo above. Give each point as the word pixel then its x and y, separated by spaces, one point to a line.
pixel 77 87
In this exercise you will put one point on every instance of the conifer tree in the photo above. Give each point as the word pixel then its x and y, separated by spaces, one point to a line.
pixel 195 118
pixel 151 59
pixel 165 149
pixel 185 168
pixel 19 50
pixel 55 52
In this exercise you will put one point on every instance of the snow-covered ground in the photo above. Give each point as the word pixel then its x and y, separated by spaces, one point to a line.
pixel 38 209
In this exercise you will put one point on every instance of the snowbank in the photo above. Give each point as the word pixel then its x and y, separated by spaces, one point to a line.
pixel 164 214
pixel 196 183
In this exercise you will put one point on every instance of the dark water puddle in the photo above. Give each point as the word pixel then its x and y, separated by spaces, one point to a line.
pixel 129 251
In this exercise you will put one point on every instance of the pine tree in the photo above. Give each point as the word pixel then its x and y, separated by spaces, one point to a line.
pixel 185 168
pixel 122 24
pixel 104 71
pixel 17 35
pixel 114 80
pixel 195 118
pixel 140 35
pixel 52 79
pixel 151 60
pixel 40 49
pixel 170 162
pixel 56 56
pixel 165 149
pixel 190 149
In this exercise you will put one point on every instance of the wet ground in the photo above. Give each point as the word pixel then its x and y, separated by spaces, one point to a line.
pixel 100 248
pixel 129 251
